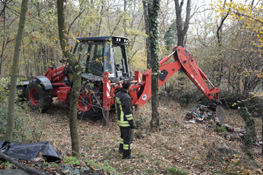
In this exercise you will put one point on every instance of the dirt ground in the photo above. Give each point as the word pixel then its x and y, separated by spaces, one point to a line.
pixel 177 148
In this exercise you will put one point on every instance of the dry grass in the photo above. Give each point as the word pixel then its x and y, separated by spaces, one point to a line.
pixel 177 144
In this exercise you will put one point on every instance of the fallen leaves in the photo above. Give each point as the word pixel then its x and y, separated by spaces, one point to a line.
pixel 180 145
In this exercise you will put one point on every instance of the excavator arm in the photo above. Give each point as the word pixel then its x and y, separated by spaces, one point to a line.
pixel 141 92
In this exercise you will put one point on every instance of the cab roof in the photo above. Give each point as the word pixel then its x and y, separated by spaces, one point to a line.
pixel 104 38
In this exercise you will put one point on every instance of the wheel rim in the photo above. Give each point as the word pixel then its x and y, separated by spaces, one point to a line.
pixel 34 96
pixel 85 102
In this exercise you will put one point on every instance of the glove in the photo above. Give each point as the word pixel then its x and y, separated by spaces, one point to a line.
pixel 132 124
pixel 134 127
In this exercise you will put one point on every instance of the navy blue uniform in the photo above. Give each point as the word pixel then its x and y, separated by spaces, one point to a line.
pixel 124 112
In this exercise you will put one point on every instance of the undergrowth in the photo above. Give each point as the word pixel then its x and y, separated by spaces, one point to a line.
pixel 20 118
pixel 19 132
pixel 177 171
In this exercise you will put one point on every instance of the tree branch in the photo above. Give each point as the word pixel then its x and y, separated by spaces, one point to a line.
pixel 115 27
pixel 20 166
pixel 257 20
pixel 187 18
pixel 221 24
pixel 133 54
pixel 75 20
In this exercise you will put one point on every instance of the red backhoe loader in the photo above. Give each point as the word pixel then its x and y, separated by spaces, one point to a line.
pixel 105 65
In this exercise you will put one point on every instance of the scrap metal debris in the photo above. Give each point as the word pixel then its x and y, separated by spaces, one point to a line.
pixel 203 114
pixel 199 113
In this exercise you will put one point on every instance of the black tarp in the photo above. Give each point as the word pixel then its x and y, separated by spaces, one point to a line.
pixel 1 143
pixel 29 151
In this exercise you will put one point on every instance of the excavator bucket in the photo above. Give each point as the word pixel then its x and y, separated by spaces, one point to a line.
pixel 197 76
pixel 220 114
pixel 216 105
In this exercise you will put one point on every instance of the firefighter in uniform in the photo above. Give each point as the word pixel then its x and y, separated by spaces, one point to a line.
pixel 124 111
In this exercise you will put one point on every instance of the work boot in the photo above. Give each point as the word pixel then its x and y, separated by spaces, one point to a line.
pixel 127 155
pixel 131 156
pixel 121 148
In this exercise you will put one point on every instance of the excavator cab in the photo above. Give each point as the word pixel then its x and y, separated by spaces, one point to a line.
pixel 103 54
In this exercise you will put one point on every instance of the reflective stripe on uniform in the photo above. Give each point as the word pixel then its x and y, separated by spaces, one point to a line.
pixel 121 141
pixel 129 117
pixel 120 106
pixel 123 123
pixel 117 102
pixel 122 115
pixel 126 146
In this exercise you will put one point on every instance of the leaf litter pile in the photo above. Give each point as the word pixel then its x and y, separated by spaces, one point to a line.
pixel 177 148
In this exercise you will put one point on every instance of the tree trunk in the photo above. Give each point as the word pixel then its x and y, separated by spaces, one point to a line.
pixel 250 132
pixel 73 121
pixel 182 28
pixel 261 132
pixel 219 67
pixel 153 11
pixel 4 37
pixel 146 19
pixel 101 18
pixel 124 19
pixel 14 74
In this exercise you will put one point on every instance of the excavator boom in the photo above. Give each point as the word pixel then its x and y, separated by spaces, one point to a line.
pixel 141 92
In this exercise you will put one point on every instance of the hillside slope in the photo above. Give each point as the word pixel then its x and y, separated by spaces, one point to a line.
pixel 178 148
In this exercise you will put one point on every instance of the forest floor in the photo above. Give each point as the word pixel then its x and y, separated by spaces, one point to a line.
pixel 177 148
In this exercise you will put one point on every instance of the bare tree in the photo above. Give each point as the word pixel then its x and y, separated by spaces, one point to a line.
pixel 146 19
pixel 73 122
pixel 219 68
pixel 181 26
pixel 14 75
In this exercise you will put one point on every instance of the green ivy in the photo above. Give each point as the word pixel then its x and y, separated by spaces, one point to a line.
pixel 105 165
pixel 177 171
pixel 72 160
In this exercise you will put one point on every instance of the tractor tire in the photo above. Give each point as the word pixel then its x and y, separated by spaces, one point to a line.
pixel 38 98
pixel 88 105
